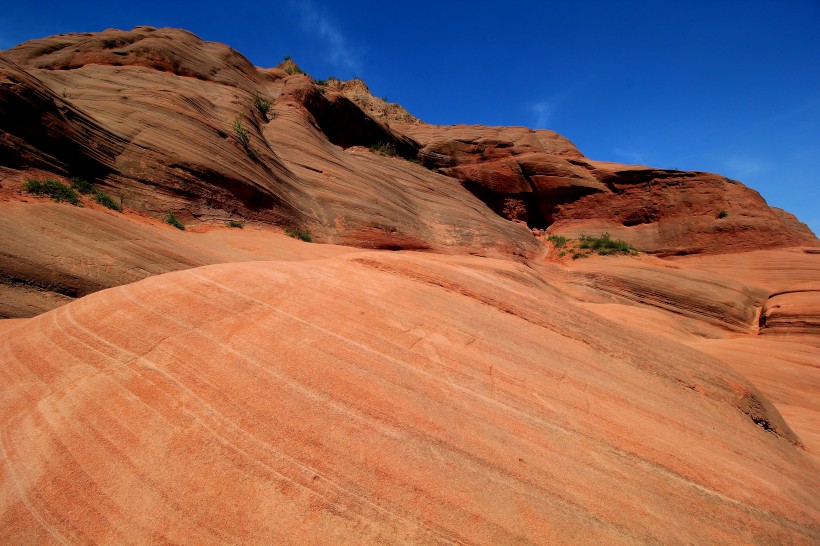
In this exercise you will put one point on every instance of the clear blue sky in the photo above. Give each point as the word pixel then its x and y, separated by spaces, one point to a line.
pixel 731 87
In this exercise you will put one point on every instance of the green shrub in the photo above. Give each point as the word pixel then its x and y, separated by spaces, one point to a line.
pixel 243 135
pixel 558 241
pixel 292 68
pixel 605 245
pixel 83 186
pixel 172 220
pixel 723 213
pixel 387 149
pixel 235 224
pixel 261 104
pixel 296 233
pixel 58 191
pixel 107 201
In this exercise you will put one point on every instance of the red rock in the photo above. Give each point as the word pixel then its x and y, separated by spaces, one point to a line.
pixel 226 385
pixel 240 402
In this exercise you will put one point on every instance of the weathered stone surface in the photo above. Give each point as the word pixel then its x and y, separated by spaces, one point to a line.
pixel 240 402
pixel 221 385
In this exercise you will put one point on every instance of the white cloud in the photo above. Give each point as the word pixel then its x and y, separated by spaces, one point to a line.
pixel 543 113
pixel 741 167
pixel 315 21
pixel 630 155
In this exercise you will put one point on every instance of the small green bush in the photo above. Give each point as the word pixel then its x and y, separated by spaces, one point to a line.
pixel 172 220
pixel 235 224
pixel 293 68
pixel 558 241
pixel 243 135
pixel 387 149
pixel 296 233
pixel 605 245
pixel 83 186
pixel 723 213
pixel 261 104
pixel 107 201
pixel 58 191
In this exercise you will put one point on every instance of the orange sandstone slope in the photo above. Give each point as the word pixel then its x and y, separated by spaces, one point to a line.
pixel 487 390
pixel 240 403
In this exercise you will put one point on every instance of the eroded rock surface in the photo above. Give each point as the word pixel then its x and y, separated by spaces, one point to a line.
pixel 246 390
pixel 226 385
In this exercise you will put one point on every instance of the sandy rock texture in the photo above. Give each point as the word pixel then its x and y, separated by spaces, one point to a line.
pixel 542 179
pixel 240 402
pixel 437 369
pixel 167 105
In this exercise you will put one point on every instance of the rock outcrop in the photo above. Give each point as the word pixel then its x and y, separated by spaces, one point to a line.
pixel 227 385
pixel 240 402
pixel 176 109
pixel 542 179
pixel 176 123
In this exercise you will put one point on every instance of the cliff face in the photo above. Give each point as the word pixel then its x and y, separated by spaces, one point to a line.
pixel 226 385
pixel 154 114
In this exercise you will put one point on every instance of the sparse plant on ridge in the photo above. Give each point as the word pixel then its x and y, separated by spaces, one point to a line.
pixel 58 191
pixel 107 201
pixel 243 135
pixel 235 224
pixel 297 233
pixel 83 186
pixel 387 149
pixel 605 245
pixel 87 188
pixel 723 213
pixel 587 245
pixel 261 104
pixel 291 67
pixel 558 241
pixel 172 220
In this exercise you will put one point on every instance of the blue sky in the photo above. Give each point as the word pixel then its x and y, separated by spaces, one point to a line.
pixel 731 87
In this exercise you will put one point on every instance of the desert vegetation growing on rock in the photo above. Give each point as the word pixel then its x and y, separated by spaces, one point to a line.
pixel 290 66
pixel 58 191
pixel 262 105
pixel 586 245
pixel 172 220
pixel 558 241
pixel 243 135
pixel 107 201
pixel 605 245
pixel 303 234
pixel 387 149
pixel 87 188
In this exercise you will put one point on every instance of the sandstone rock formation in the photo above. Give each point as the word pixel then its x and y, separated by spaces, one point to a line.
pixel 226 385
pixel 661 211
pixel 250 408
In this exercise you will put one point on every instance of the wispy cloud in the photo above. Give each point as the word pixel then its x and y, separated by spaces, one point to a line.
pixel 630 155
pixel 316 21
pixel 741 167
pixel 542 113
